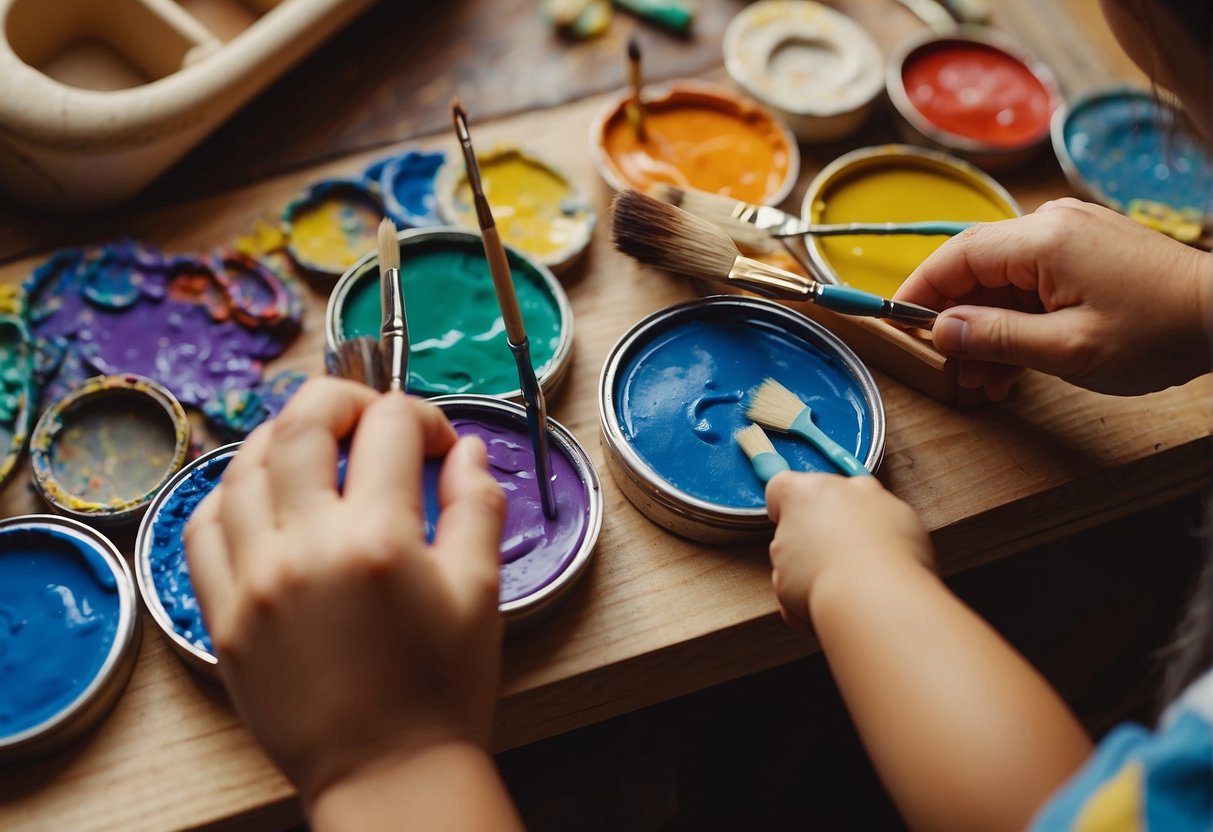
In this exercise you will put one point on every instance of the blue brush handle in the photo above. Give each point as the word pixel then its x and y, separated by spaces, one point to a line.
pixel 768 464
pixel 944 228
pixel 849 301
pixel 838 455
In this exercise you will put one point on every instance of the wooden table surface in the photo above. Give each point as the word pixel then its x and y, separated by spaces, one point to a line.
pixel 656 616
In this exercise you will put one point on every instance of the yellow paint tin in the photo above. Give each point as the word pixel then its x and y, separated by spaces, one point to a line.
pixel 894 183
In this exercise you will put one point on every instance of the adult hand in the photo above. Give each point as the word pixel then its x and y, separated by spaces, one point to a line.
pixel 346 642
pixel 1075 290
pixel 827 523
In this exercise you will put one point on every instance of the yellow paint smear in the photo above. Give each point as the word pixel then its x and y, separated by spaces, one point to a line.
pixel 332 234
pixel 896 191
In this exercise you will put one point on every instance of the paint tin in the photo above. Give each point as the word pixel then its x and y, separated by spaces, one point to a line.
pixel 101 453
pixel 334 223
pixel 541 560
pixel 69 631
pixel 893 183
pixel 18 392
pixel 161 569
pixel 1121 144
pixel 456 335
pixel 814 66
pixel 670 400
pixel 973 92
pixel 698 136
pixel 406 183
pixel 537 208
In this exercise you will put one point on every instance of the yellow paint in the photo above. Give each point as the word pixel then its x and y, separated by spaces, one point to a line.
pixel 332 234
pixel 535 208
pixel 897 190
pixel 263 239
pixel 1119 804
pixel 700 141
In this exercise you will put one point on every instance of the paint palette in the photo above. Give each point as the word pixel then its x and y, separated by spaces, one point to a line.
pixel 98 99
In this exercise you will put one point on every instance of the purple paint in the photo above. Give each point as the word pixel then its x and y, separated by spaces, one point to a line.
pixel 534 550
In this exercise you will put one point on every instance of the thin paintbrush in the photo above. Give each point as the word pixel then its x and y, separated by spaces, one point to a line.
pixel 635 107
pixel 394 334
pixel 743 220
pixel 670 238
pixel 776 407
pixel 765 460
pixel 511 314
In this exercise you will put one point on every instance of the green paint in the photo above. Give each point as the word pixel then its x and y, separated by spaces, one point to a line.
pixel 456 335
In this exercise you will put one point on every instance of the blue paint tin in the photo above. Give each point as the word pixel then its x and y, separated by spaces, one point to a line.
pixel 69 631
pixel 671 397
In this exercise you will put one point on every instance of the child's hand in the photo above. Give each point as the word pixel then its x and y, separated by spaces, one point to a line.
pixel 345 641
pixel 1126 308
pixel 827 523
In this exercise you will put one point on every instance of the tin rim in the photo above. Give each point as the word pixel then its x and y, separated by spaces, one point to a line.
pixel 366 193
pixel 107 685
pixel 918 156
pixel 453 172
pixel 87 393
pixel 982 36
pixel 193 654
pixel 665 493
pixel 543 598
pixel 691 89
pixel 550 377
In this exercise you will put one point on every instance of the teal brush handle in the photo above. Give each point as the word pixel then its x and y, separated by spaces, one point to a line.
pixel 768 464
pixel 850 301
pixel 840 456
pixel 941 227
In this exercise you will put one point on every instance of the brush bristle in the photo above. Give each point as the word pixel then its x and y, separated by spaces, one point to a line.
pixel 669 238
pixel 774 406
pixel 360 359
pixel 754 441
pixel 457 110
pixel 717 210
pixel 633 49
pixel 389 248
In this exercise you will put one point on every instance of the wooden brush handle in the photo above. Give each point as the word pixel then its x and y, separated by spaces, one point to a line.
pixel 503 283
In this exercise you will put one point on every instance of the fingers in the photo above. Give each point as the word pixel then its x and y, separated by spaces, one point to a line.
pixel 1052 343
pixel 473 510
pixel 244 500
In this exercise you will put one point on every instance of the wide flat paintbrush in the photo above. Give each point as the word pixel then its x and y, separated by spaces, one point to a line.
pixel 511 315
pixel 394 333
pixel 739 219
pixel 776 407
pixel 670 238
pixel 756 445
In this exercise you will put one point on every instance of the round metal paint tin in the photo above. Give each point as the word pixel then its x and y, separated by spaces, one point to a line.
pixel 537 208
pixel 671 398
pixel 161 569
pixel 813 66
pixel 762 170
pixel 331 225
pixel 893 183
pixel 973 92
pixel 457 339
pixel 102 452
pixel 1118 145
pixel 101 631
pixel 541 559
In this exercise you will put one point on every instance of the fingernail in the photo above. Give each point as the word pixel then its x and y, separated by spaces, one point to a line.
pixel 473 450
pixel 950 333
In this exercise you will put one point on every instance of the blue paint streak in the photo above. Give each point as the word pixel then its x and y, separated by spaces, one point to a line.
pixel 407 184
pixel 59 611
pixel 1129 147
pixel 678 402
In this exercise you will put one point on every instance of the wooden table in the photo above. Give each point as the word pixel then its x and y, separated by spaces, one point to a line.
pixel 656 616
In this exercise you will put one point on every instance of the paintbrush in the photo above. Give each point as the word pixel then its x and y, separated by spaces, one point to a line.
pixel 744 221
pixel 360 359
pixel 394 333
pixel 763 457
pixel 635 107
pixel 511 315
pixel 670 238
pixel 776 407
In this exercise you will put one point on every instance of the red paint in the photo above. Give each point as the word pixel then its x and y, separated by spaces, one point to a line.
pixel 978 92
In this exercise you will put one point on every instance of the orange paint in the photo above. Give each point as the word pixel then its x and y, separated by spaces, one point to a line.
pixel 699 140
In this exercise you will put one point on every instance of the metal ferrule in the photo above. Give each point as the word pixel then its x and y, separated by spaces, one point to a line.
pixel 537 420
pixel 910 313
pixel 394 335
pixel 762 279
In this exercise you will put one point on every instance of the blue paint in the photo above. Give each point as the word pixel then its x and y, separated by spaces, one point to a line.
pixel 166 556
pixel 59 614
pixel 1128 146
pixel 407 184
pixel 679 399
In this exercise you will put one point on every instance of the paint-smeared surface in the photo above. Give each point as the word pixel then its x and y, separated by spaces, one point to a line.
pixel 59 613
pixel 237 410
pixel 679 400
pixel 1126 146
pixel 17 391
pixel 166 553
pixel 407 184
pixel 900 189
pixel 978 92
pixel 457 337
pixel 332 225
pixel 534 549
pixel 536 208
pixel 694 140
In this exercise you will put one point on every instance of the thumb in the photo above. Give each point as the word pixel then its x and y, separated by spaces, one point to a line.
pixel 468 534
pixel 1040 341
